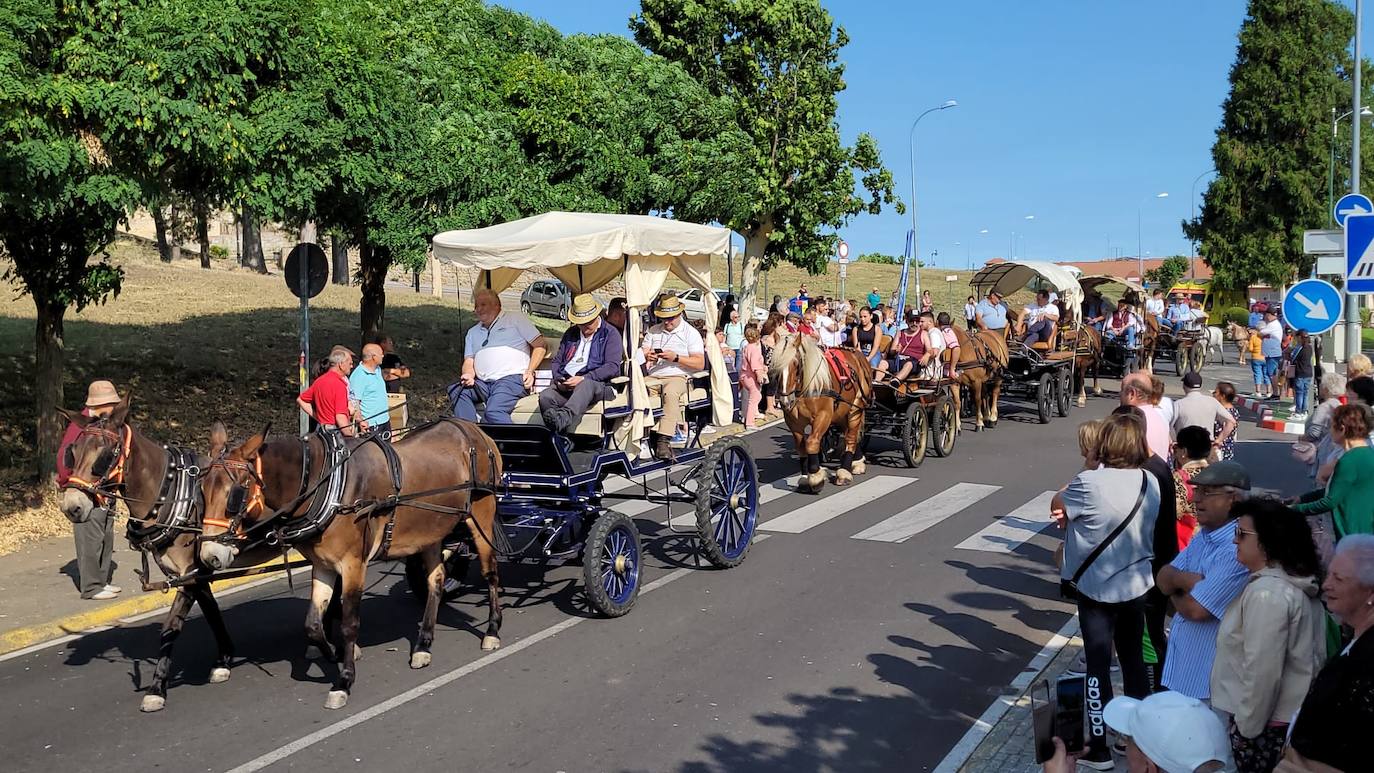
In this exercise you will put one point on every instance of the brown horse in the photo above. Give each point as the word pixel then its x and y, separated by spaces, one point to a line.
pixel 814 399
pixel 1087 355
pixel 982 356
pixel 111 460
pixel 446 474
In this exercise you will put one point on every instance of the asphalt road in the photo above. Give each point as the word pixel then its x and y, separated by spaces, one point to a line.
pixel 868 631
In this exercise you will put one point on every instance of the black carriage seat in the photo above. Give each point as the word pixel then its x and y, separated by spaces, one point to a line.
pixel 530 448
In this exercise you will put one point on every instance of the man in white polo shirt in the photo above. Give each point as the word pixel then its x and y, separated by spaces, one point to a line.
pixel 502 352
pixel 671 351
pixel 826 326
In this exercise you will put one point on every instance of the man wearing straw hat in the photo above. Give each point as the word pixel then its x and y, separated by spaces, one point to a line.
pixel 588 357
pixel 95 535
pixel 671 352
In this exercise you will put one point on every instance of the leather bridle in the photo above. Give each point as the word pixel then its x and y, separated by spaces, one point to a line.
pixel 246 478
pixel 105 488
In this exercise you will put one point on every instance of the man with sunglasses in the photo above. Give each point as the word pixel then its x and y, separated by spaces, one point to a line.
pixel 94 535
pixel 501 353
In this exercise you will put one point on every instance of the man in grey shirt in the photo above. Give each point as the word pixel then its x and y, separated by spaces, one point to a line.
pixel 1199 409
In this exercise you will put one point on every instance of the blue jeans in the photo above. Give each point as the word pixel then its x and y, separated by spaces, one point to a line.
pixel 1271 368
pixel 499 396
pixel 1257 368
pixel 1302 387
pixel 1128 334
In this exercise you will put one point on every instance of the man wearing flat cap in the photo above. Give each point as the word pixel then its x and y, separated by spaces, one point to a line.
pixel 671 352
pixel 588 357
pixel 95 535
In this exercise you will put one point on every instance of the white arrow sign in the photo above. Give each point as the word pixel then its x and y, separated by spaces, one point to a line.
pixel 1353 209
pixel 1316 310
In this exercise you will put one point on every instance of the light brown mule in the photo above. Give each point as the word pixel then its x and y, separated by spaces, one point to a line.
pixel 447 470
pixel 982 357
pixel 813 400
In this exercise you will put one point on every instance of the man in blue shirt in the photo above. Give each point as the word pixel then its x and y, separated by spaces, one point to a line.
pixel 1180 313
pixel 990 314
pixel 1203 580
pixel 368 387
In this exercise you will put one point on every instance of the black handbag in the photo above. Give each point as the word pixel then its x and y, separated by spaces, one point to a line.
pixel 1069 588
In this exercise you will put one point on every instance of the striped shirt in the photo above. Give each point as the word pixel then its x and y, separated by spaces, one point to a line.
pixel 1192 644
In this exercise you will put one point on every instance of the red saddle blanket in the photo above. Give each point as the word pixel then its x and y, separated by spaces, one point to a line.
pixel 839 365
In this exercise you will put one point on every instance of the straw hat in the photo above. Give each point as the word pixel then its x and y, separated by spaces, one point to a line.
pixel 101 393
pixel 584 309
pixel 669 307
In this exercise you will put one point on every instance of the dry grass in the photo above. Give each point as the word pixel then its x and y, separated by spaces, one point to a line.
pixel 197 346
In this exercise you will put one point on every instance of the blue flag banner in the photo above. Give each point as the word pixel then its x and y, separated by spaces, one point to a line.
pixel 906 269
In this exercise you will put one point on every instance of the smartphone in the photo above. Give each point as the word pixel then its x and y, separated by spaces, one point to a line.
pixel 1068 714
pixel 658 351
pixel 1042 721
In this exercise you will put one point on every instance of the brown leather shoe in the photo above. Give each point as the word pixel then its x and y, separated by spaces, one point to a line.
pixel 662 448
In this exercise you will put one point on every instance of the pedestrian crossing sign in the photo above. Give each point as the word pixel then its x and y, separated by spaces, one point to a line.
pixel 1359 253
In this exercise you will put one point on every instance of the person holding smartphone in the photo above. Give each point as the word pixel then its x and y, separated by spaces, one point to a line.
pixel 671 351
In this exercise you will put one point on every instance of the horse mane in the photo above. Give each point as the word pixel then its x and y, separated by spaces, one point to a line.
pixel 803 350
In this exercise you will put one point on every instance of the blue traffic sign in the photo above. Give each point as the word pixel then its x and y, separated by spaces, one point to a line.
pixel 1351 204
pixel 1313 305
pixel 1359 254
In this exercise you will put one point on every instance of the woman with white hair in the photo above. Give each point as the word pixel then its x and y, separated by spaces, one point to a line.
pixel 1318 431
pixel 1332 727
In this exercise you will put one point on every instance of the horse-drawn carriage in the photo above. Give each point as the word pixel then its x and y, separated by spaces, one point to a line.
pixel 1042 371
pixel 1119 357
pixel 919 415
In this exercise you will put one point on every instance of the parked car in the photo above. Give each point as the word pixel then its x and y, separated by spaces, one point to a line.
pixel 548 297
pixel 692 300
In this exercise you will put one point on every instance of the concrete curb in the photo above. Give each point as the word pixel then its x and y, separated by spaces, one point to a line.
pixel 1282 425
pixel 106 616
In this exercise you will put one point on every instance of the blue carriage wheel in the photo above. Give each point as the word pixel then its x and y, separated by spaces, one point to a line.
pixel 727 502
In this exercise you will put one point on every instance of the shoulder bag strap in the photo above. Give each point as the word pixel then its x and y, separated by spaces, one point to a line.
pixel 1097 551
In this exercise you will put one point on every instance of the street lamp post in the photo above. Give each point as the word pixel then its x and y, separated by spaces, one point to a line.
pixel 915 246
pixel 1192 207
pixel 1139 248
pixel 1331 164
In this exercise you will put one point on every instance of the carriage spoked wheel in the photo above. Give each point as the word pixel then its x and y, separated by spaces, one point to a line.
pixel 1064 392
pixel 1044 397
pixel 914 434
pixel 455 568
pixel 944 426
pixel 727 490
pixel 611 564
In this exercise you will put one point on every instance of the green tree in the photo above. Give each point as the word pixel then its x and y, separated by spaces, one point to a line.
pixel 1168 272
pixel 878 257
pixel 777 61
pixel 60 199
pixel 1272 150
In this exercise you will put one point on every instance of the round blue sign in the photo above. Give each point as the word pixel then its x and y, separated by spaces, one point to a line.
pixel 1312 305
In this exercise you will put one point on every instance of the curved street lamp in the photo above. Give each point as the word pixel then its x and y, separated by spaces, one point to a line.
pixel 915 246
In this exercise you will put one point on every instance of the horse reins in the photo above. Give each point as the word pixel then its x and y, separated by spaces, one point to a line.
pixel 103 490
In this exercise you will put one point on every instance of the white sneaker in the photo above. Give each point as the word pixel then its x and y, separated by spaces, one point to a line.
pixel 1298 417
pixel 102 595
pixel 114 589
pixel 708 430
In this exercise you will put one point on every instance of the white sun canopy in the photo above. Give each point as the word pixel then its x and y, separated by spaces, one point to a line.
pixel 587 250
pixel 1007 278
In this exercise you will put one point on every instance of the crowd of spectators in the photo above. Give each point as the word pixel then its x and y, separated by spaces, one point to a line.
pixel 1240 621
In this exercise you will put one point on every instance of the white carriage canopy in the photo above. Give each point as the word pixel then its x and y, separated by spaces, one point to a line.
pixel 1008 278
pixel 588 250
pixel 1097 281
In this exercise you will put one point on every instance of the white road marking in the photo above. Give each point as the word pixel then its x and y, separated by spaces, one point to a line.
pixel 429 687
pixel 822 510
pixel 923 515
pixel 767 493
pixel 1012 530
pixel 984 723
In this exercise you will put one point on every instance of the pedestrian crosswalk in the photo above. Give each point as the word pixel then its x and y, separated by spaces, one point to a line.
pixel 1004 532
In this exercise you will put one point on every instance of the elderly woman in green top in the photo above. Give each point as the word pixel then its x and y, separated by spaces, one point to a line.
pixel 1349 497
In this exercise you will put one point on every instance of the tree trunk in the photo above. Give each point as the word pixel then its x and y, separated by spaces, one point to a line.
pixel 164 250
pixel 252 242
pixel 49 357
pixel 339 249
pixel 755 242
pixel 373 263
pixel 202 214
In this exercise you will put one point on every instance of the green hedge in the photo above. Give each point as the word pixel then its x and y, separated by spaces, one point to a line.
pixel 1236 314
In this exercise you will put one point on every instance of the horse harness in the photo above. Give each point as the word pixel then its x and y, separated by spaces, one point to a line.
pixel 179 501
pixel 109 465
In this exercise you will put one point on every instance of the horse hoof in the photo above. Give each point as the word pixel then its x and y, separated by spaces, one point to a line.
pixel 843 477
pixel 858 467
pixel 336 699
pixel 219 675
pixel 490 643
pixel 816 481
pixel 1097 392
pixel 152 703
pixel 420 659
pixel 313 653
pixel 1083 402
pixel 357 653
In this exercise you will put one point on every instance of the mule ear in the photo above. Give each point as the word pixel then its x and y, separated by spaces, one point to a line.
pixel 121 412
pixel 76 417
pixel 252 445
pixel 219 438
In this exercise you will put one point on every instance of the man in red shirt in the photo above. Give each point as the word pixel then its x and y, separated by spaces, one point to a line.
pixel 327 398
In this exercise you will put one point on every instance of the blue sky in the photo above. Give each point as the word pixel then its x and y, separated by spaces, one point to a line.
pixel 1076 113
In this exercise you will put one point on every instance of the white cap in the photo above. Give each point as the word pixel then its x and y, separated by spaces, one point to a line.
pixel 1178 733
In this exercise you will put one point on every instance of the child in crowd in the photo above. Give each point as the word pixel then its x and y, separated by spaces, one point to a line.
pixel 1257 365
pixel 752 374
pixel 951 343
pixel 1192 448
pixel 1225 393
